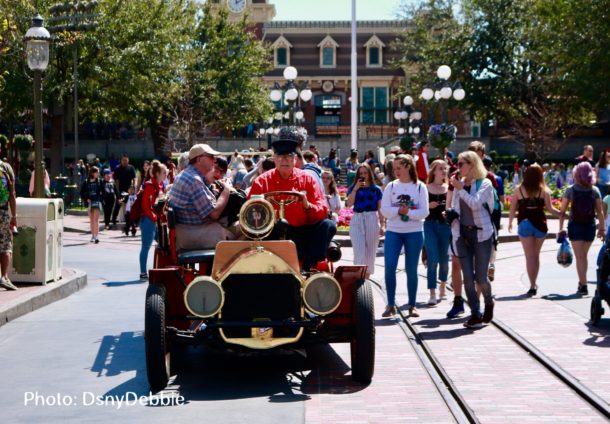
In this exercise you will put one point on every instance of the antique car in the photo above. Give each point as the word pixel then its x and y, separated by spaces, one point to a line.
pixel 251 295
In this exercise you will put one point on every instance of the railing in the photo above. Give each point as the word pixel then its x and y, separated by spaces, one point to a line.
pixel 371 131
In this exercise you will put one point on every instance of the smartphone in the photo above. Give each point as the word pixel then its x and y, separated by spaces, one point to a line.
pixel 361 179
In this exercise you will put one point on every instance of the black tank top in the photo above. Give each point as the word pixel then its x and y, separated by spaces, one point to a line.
pixel 532 209
pixel 436 214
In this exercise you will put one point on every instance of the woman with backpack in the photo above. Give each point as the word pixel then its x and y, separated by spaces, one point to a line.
pixel 405 205
pixel 148 222
pixel 473 232
pixel 585 202
pixel 91 193
pixel 530 199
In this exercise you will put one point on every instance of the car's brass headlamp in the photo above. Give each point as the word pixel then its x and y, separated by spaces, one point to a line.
pixel 257 217
pixel 204 297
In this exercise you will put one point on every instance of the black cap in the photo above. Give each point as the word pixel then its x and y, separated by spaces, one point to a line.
pixel 288 141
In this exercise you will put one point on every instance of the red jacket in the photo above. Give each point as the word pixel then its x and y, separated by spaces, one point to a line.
pixel 151 192
pixel 420 166
pixel 300 180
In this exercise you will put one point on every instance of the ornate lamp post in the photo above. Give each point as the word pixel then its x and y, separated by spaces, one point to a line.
pixel 37 40
pixel 290 94
pixel 410 117
pixel 442 135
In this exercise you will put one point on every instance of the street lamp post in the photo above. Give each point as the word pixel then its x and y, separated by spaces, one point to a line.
pixel 410 117
pixel 289 94
pixel 37 40
pixel 442 89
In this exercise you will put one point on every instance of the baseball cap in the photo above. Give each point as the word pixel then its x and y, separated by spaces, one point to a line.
pixel 201 149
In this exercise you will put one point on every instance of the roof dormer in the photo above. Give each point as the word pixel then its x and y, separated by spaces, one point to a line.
pixel 281 52
pixel 328 52
pixel 374 52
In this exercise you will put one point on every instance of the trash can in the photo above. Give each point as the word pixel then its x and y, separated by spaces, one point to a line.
pixel 35 246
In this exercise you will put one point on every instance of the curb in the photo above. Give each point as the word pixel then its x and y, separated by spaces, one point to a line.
pixel 52 292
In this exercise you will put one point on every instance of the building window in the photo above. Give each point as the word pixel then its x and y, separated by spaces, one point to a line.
pixel 281 56
pixel 374 56
pixel 374 52
pixel 328 52
pixel 281 52
pixel 328 56
pixel 374 108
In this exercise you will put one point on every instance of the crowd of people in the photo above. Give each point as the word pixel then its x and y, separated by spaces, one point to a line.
pixel 444 210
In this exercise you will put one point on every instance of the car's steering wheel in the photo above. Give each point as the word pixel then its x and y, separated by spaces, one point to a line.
pixel 282 199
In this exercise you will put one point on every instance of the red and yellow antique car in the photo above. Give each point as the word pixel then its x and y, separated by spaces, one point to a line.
pixel 252 295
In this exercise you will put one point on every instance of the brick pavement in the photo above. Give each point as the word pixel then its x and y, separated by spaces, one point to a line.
pixel 401 390
pixel 495 376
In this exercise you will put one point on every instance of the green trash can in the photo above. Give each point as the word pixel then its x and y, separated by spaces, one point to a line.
pixel 37 246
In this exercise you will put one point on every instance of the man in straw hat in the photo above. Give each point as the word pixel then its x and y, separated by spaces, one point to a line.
pixel 196 208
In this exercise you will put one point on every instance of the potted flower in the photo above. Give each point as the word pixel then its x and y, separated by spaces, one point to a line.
pixel 441 135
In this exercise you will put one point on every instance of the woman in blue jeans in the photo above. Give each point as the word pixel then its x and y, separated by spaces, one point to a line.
pixel 436 230
pixel 405 205
pixel 148 224
pixel 473 232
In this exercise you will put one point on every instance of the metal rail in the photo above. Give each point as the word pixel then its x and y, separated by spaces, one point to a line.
pixel 565 377
pixel 457 405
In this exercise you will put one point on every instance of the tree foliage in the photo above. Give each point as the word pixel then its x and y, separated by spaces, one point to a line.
pixel 224 85
pixel 520 61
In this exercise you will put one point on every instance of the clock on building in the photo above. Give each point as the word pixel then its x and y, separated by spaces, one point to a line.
pixel 236 6
pixel 328 86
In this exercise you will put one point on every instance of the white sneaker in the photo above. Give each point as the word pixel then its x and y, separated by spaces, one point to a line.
pixel 432 301
pixel 92 239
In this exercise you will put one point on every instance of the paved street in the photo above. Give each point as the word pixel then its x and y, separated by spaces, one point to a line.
pixel 90 345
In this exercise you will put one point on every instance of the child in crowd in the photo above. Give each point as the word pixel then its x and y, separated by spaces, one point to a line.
pixel 129 201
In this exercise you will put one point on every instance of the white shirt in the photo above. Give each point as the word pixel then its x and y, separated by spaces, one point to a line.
pixel 393 195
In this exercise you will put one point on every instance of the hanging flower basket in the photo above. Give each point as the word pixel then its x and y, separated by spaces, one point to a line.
pixel 441 135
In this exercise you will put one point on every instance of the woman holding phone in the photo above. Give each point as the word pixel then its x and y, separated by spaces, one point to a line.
pixel 365 226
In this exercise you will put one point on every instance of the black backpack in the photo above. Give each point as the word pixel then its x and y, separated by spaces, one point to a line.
pixel 583 207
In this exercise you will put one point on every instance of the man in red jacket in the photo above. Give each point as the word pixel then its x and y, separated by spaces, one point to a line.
pixel 422 164
pixel 308 223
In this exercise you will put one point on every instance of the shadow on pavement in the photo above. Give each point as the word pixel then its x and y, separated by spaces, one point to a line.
pixel 600 334
pixel 523 296
pixel 123 283
pixel 556 296
pixel 200 374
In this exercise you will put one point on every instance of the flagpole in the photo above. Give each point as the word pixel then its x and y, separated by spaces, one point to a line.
pixel 354 66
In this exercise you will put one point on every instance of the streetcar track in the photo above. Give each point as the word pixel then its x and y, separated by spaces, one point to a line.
pixel 451 394
pixel 457 405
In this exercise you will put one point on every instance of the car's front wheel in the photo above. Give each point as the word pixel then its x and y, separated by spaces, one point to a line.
pixel 363 335
pixel 155 339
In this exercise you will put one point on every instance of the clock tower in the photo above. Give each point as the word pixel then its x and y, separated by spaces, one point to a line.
pixel 258 12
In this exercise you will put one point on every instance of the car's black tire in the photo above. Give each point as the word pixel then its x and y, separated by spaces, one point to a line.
pixel 363 336
pixel 596 309
pixel 155 339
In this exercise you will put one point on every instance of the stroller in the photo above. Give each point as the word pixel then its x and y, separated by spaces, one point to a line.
pixel 602 291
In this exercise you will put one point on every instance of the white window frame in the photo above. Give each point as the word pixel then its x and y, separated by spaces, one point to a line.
pixel 281 42
pixel 374 41
pixel 328 41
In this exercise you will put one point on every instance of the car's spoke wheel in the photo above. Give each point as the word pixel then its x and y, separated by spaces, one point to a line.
pixel 596 309
pixel 155 339
pixel 363 335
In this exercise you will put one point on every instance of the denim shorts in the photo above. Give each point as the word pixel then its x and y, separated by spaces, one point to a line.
pixel 527 229
pixel 581 232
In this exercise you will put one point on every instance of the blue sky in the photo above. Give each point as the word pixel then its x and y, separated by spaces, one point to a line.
pixel 334 10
